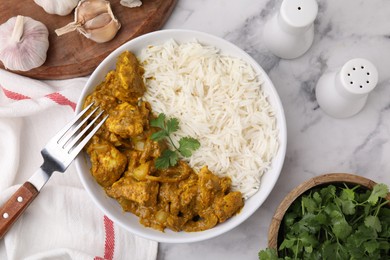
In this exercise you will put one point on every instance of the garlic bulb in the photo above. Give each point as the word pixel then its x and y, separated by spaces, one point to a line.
pixel 94 19
pixel 131 3
pixel 23 43
pixel 60 7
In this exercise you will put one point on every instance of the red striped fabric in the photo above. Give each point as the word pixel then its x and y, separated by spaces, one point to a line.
pixel 56 97
pixel 13 95
pixel 109 245
pixel 61 100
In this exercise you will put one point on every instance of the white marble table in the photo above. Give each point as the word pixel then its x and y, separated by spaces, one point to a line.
pixel 317 143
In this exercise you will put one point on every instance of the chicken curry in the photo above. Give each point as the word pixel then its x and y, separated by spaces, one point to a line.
pixel 123 158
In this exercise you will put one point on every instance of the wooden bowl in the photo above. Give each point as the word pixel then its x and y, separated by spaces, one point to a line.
pixel 330 178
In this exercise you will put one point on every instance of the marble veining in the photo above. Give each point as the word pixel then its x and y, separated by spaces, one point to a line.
pixel 317 143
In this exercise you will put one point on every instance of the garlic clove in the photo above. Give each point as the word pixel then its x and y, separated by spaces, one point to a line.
pixel 95 20
pixel 131 3
pixel 102 34
pixel 25 42
pixel 99 21
pixel 89 9
pixel 59 7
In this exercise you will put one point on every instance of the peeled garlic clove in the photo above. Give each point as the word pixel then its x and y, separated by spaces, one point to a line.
pixel 95 20
pixel 23 43
pixel 59 7
pixel 131 3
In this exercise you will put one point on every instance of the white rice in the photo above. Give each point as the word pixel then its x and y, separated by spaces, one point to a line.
pixel 217 100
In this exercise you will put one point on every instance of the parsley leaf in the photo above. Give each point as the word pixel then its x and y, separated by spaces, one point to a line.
pixel 172 125
pixel 379 191
pixel 347 201
pixel 187 145
pixel 341 228
pixel 370 246
pixel 158 136
pixel 268 254
pixel 373 222
pixel 167 158
pixel 159 121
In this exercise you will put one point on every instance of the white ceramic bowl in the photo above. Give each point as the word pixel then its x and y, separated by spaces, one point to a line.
pixel 130 222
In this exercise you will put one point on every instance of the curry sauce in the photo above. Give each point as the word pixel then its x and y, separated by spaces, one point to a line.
pixel 123 156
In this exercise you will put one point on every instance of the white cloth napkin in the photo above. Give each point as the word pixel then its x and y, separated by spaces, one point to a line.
pixel 62 222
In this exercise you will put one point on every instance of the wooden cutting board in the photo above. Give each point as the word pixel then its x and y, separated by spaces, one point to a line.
pixel 72 55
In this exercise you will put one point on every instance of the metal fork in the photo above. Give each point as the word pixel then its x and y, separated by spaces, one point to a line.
pixel 57 155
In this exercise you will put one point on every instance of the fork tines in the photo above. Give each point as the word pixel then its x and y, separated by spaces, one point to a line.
pixel 71 137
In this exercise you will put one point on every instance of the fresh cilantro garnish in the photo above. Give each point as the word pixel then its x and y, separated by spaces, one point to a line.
pixel 379 191
pixel 336 222
pixel 167 158
pixel 268 253
pixel 187 145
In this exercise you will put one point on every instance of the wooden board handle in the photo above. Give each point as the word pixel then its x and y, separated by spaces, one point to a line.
pixel 15 206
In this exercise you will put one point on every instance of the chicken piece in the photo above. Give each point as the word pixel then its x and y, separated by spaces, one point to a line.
pixel 142 192
pixel 129 85
pixel 214 203
pixel 226 206
pixel 102 96
pixel 178 201
pixel 103 99
pixel 108 163
pixel 211 186
pixel 147 215
pixel 180 197
pixel 175 223
pixel 127 120
pixel 177 173
pixel 205 220
pixel 114 139
pixel 133 161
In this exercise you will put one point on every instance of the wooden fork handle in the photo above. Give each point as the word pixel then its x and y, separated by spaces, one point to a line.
pixel 15 206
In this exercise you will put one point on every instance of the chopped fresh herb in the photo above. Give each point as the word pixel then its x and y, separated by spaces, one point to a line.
pixel 336 222
pixel 187 145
